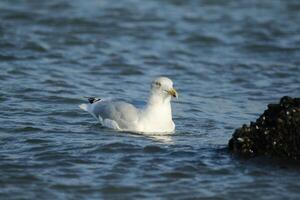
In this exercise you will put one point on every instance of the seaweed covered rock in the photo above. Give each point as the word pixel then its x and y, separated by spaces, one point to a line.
pixel 275 133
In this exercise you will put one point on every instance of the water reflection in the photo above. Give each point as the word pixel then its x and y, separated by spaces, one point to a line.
pixel 166 138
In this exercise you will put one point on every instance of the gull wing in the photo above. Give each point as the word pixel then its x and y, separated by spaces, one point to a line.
pixel 113 114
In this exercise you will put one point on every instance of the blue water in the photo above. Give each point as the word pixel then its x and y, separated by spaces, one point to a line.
pixel 228 59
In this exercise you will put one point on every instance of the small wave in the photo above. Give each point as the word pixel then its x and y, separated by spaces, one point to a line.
pixel 63 100
pixel 119 189
pixel 66 113
pixel 131 71
pixel 221 171
pixel 153 149
pixel 176 174
pixel 256 48
pixel 62 21
pixel 57 83
pixel 37 141
pixel 202 40
pixel 117 147
pixel 60 6
pixel 68 187
pixel 8 57
pixel 28 129
pixel 19 15
pixel 183 154
pixel 187 168
pixel 26 178
pixel 36 46
pixel 52 155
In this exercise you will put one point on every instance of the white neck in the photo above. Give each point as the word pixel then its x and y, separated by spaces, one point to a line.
pixel 157 113
pixel 159 105
pixel 157 99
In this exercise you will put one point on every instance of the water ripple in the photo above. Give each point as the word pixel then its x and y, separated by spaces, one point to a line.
pixel 227 58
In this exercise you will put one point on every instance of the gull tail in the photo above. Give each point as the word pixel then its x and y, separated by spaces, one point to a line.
pixel 88 107
pixel 84 106
pixel 92 99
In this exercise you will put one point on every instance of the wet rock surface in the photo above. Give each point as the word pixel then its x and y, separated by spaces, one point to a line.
pixel 275 133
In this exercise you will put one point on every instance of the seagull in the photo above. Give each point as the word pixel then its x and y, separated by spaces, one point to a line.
pixel 154 117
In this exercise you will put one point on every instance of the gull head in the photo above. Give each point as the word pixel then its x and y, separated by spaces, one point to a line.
pixel 163 86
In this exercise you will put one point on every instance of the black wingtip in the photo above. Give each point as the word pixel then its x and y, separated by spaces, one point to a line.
pixel 93 100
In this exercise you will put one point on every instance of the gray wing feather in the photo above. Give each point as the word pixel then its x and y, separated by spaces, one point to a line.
pixel 124 114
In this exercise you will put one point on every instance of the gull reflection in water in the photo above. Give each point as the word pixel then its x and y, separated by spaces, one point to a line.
pixel 165 138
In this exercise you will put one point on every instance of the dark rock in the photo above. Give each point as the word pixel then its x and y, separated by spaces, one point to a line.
pixel 275 133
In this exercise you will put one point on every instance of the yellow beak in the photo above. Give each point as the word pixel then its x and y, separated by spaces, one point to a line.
pixel 173 92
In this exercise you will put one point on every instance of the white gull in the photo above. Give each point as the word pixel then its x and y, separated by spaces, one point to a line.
pixel 154 117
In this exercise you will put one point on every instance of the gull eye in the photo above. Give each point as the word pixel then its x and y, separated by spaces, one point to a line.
pixel 158 84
